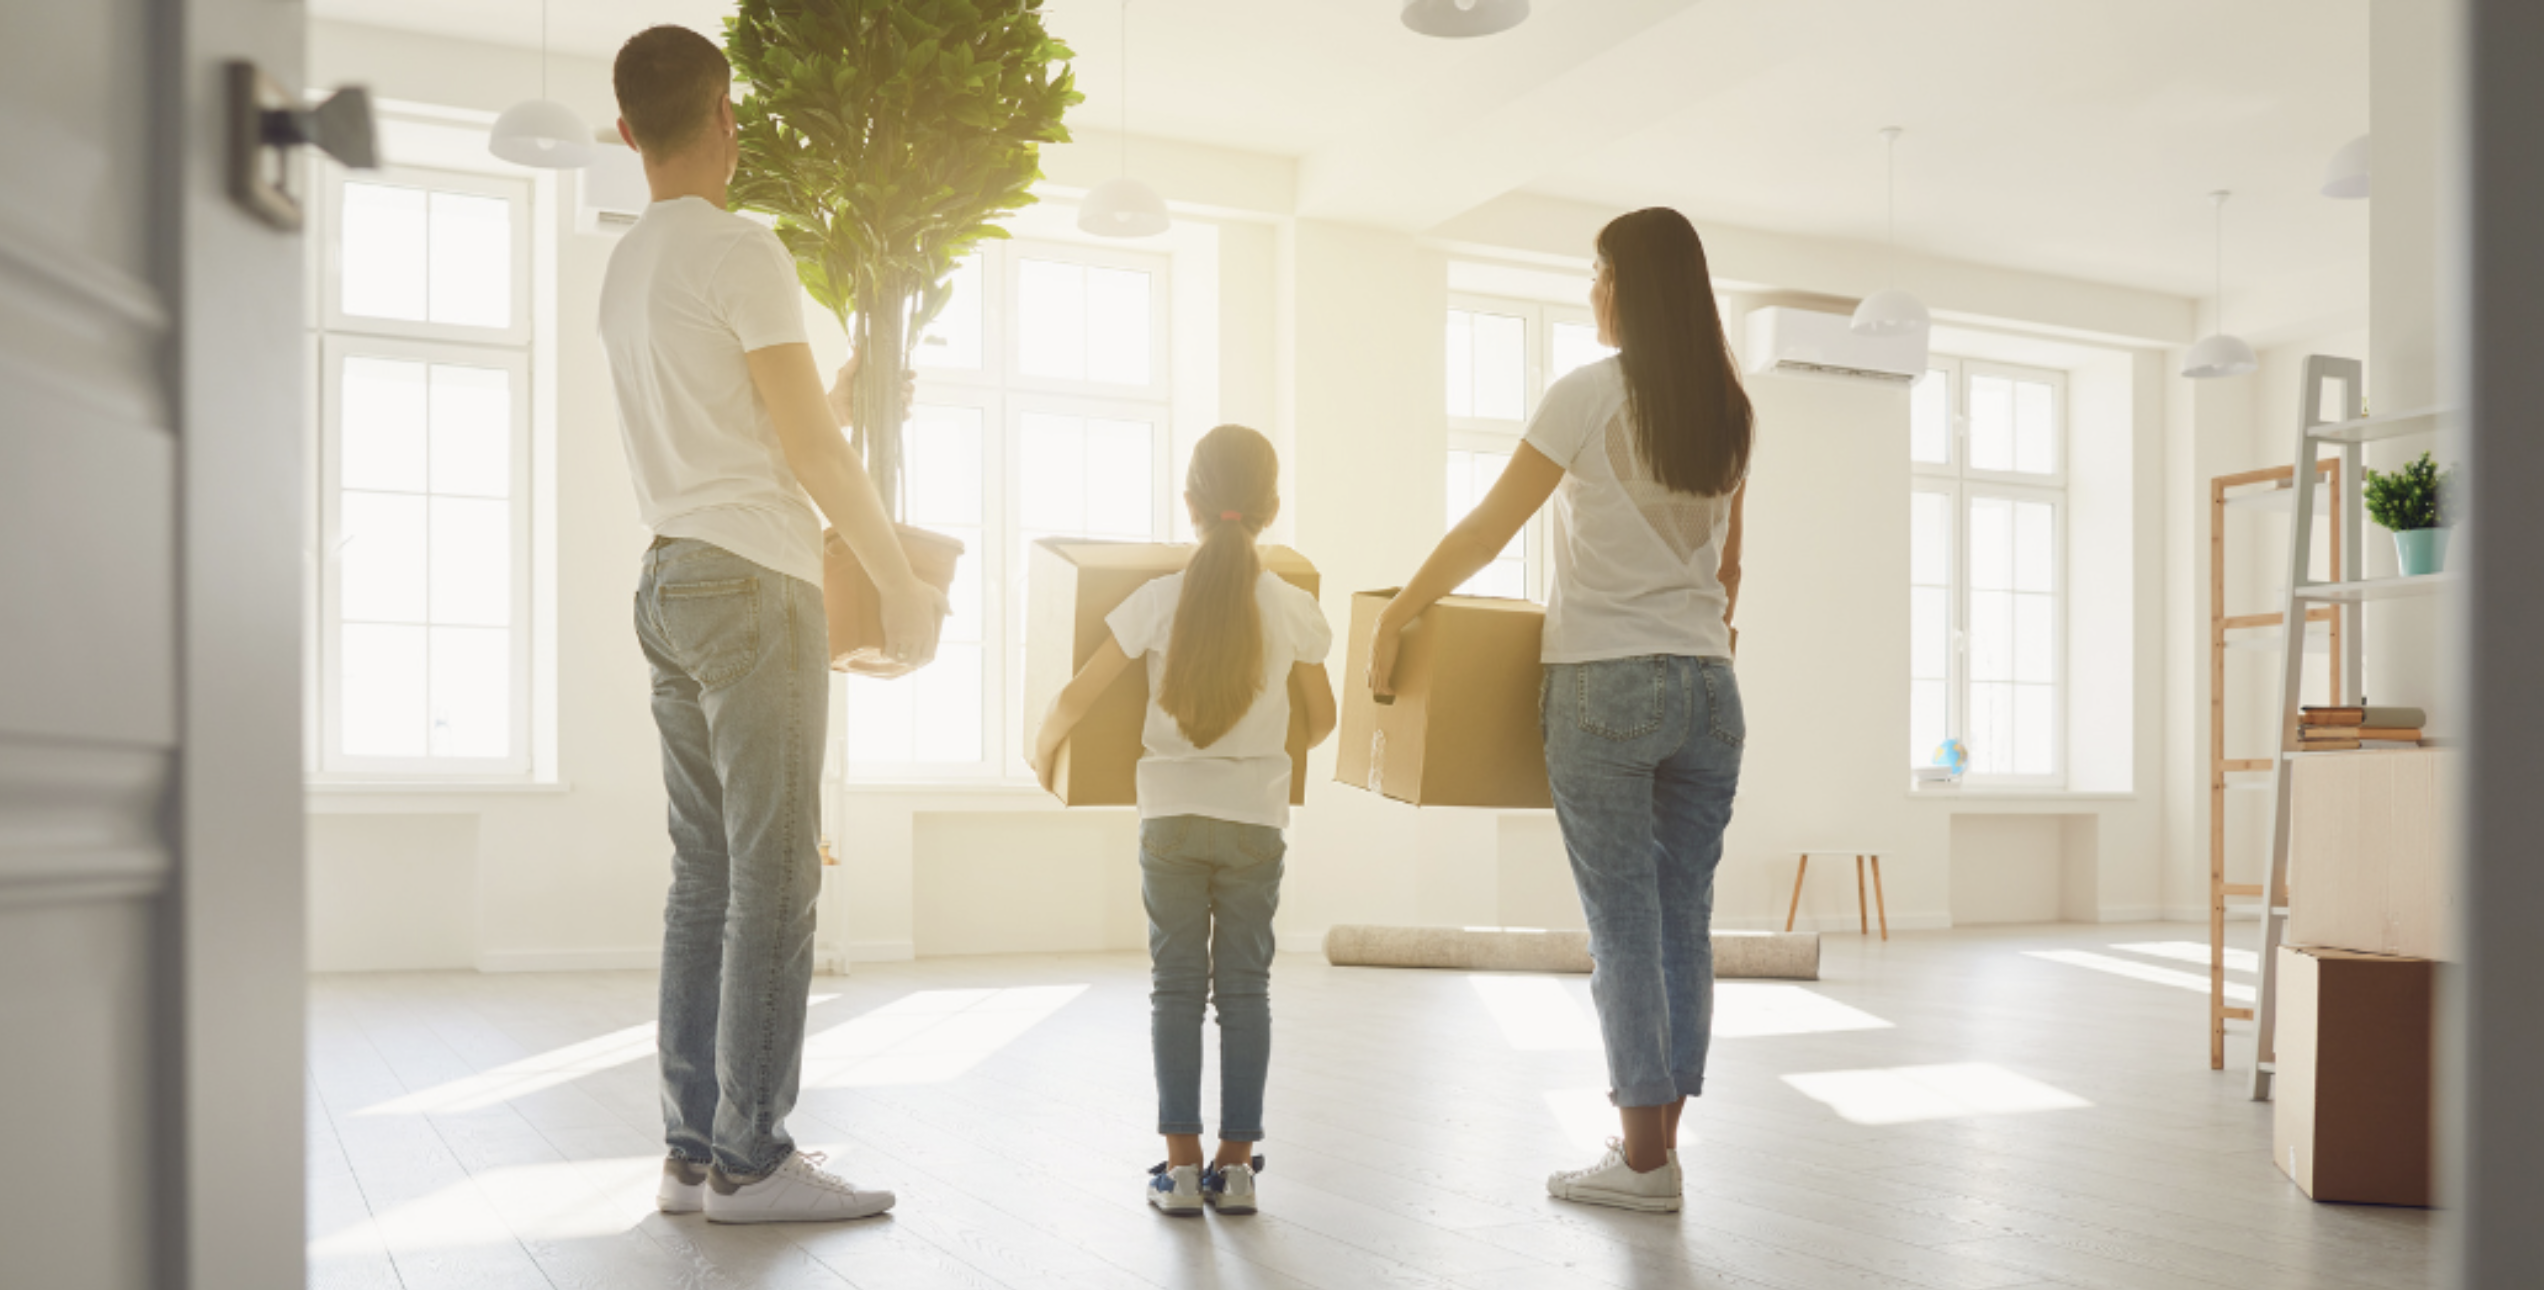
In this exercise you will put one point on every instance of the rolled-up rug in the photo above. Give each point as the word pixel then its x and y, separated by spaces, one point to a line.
pixel 1787 956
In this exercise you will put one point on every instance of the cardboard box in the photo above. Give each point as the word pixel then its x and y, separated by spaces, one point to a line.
pixel 1463 727
pixel 1071 587
pixel 2367 868
pixel 2350 1113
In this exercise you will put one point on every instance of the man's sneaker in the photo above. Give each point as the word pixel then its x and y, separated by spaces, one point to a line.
pixel 684 1186
pixel 1175 1189
pixel 797 1191
pixel 1230 1188
pixel 1613 1182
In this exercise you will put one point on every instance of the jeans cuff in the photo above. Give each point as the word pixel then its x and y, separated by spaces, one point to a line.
pixel 1662 1093
pixel 1234 1135
pixel 1691 1084
pixel 1173 1128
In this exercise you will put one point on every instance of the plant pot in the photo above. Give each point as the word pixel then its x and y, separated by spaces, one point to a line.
pixel 2421 551
pixel 855 609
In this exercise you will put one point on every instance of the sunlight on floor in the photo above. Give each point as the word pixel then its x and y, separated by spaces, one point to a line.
pixel 530 1074
pixel 1907 1094
pixel 928 1037
pixel 1755 1009
pixel 512 1205
pixel 1537 1014
pixel 2193 952
pixel 2140 971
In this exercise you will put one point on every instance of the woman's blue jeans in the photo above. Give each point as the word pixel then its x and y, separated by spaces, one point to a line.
pixel 1211 887
pixel 1644 756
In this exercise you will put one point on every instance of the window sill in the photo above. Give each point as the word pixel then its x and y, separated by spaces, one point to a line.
pixel 989 790
pixel 2000 795
pixel 419 797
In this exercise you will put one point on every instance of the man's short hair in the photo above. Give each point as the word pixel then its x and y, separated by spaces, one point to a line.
pixel 668 79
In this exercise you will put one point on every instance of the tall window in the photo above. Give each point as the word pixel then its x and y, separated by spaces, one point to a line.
pixel 1987 567
pixel 1042 411
pixel 423 336
pixel 1502 354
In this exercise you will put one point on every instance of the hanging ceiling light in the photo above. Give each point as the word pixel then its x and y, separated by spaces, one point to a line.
pixel 1454 18
pixel 2346 177
pixel 1123 206
pixel 2219 354
pixel 1891 311
pixel 542 132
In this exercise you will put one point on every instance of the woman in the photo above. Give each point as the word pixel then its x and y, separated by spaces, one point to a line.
pixel 1641 709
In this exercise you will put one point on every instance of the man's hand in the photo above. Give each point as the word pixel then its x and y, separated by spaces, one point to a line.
pixel 846 381
pixel 913 614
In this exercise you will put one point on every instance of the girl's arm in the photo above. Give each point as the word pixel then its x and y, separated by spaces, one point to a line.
pixel 1308 681
pixel 1730 576
pixel 1071 706
pixel 1524 486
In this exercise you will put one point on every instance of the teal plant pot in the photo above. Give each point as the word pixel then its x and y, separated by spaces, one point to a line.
pixel 2421 551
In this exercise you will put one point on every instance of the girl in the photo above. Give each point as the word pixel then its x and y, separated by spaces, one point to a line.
pixel 1226 644
pixel 1641 710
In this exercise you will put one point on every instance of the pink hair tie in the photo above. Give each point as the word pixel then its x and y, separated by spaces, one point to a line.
pixel 1231 515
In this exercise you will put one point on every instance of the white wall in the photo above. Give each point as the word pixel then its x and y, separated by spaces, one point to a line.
pixel 1329 337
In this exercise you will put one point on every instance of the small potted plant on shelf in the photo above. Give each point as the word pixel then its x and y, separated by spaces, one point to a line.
pixel 2417 504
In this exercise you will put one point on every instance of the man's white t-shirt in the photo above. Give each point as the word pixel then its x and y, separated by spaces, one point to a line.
pixel 690 290
pixel 1638 568
pixel 1244 775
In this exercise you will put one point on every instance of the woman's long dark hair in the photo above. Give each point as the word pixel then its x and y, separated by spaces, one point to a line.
pixel 1691 418
pixel 1214 657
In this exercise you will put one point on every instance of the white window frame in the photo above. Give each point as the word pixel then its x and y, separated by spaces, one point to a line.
pixel 1004 396
pixel 335 336
pixel 1960 482
pixel 1494 435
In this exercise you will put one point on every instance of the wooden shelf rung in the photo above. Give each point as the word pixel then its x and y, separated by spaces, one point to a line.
pixel 2238 1014
pixel 2240 889
pixel 2245 763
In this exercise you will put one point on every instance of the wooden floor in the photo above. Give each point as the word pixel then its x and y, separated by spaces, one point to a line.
pixel 1949 1110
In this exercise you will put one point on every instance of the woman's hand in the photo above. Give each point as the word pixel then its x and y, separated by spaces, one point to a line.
pixel 1385 640
pixel 1046 764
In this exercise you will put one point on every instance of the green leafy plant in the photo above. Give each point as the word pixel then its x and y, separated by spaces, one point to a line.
pixel 887 137
pixel 2419 496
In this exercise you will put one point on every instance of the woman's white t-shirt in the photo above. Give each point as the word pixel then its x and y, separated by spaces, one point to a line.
pixel 1244 775
pixel 1637 567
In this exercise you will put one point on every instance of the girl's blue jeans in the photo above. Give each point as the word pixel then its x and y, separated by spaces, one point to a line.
pixel 1210 887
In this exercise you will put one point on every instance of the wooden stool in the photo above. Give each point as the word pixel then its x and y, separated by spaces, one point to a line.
pixel 1864 911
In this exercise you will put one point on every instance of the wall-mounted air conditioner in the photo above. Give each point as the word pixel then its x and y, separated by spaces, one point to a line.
pixel 610 193
pixel 1803 342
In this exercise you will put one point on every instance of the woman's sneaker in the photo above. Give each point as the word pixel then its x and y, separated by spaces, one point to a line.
pixel 1175 1189
pixel 1230 1188
pixel 684 1186
pixel 799 1190
pixel 1613 1182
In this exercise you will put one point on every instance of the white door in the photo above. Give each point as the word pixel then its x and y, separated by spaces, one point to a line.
pixel 150 511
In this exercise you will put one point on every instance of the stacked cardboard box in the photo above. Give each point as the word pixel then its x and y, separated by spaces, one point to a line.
pixel 2370 916
pixel 1462 727
pixel 1071 587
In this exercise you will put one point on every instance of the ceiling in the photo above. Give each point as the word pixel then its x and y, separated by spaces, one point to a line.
pixel 2076 138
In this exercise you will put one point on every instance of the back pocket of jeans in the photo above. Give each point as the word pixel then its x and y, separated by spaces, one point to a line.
pixel 713 627
pixel 1621 698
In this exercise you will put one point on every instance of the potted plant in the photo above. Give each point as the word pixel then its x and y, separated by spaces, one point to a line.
pixel 888 137
pixel 2417 504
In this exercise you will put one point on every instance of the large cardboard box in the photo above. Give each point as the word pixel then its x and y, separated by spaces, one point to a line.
pixel 1071 587
pixel 2366 852
pixel 2350 1114
pixel 1462 729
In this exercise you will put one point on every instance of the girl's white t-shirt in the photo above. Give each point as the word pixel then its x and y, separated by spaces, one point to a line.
pixel 1244 775
pixel 1637 567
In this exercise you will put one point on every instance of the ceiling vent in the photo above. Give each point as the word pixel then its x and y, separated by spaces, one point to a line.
pixel 1801 342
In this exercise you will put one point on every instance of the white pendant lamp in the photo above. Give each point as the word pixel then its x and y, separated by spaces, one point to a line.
pixel 2219 354
pixel 542 132
pixel 1458 18
pixel 1123 206
pixel 2346 177
pixel 1891 311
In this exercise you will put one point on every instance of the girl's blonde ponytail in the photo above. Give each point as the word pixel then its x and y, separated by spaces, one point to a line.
pixel 1214 659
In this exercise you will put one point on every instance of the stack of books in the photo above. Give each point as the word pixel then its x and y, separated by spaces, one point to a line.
pixel 2353 728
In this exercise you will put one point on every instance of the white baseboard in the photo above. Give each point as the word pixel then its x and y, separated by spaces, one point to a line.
pixel 882 951
pixel 1834 923
pixel 2199 914
pixel 2135 914
pixel 647 958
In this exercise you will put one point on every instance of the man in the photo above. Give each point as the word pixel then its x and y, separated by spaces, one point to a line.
pixel 727 430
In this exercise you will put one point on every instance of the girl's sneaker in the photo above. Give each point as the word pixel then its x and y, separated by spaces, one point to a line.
pixel 1175 1189
pixel 1614 1182
pixel 1230 1188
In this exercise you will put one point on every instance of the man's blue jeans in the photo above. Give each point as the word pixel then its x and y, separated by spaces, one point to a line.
pixel 741 664
pixel 1644 756
pixel 1211 887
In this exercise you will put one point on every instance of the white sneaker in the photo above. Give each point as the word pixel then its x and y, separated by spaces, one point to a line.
pixel 1175 1189
pixel 797 1191
pixel 1230 1188
pixel 683 1189
pixel 1613 1182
